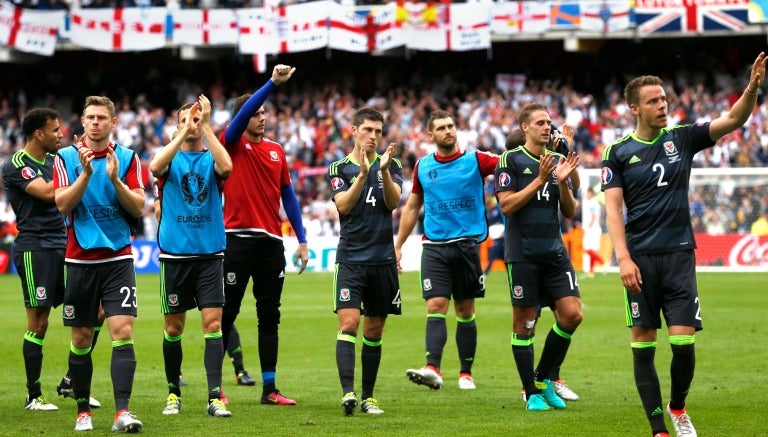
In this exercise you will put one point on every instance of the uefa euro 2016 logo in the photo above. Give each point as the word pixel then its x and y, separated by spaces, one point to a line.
pixel 194 189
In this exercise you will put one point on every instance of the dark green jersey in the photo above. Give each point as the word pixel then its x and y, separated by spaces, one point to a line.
pixel 532 234
pixel 366 232
pixel 40 224
pixel 655 176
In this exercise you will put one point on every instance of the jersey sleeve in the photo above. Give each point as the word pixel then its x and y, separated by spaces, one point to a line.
pixel 396 171
pixel 610 174
pixel 18 176
pixel 504 174
pixel 700 138
pixel 133 176
pixel 285 175
pixel 487 163
pixel 416 186
pixel 60 176
pixel 336 179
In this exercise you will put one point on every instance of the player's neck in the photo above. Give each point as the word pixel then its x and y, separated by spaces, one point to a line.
pixel 35 151
pixel 646 133
pixel 446 152
pixel 192 146
pixel 96 146
pixel 252 137
pixel 535 149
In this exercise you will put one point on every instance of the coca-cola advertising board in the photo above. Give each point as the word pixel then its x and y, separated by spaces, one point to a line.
pixel 731 250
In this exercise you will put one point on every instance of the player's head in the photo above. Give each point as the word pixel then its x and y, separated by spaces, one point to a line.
pixel 42 124
pixel 535 122
pixel 647 100
pixel 442 130
pixel 514 139
pixel 367 128
pixel 98 118
pixel 100 101
pixel 258 122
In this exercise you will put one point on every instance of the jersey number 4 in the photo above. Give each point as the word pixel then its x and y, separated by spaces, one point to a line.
pixel 369 198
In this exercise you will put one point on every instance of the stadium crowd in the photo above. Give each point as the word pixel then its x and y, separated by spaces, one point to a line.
pixel 313 125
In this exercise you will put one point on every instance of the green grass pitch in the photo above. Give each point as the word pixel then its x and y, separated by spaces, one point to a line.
pixel 726 397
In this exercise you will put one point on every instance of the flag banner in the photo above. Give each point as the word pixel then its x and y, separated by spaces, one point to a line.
pixel 444 26
pixel 204 27
pixel 691 16
pixel 469 27
pixel 424 25
pixel 302 27
pixel 565 15
pixel 364 29
pixel 119 30
pixel 510 18
pixel 606 16
pixel 257 31
pixel 29 30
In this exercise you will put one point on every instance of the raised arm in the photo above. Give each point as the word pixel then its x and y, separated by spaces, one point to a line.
pixel 741 110
pixel 280 74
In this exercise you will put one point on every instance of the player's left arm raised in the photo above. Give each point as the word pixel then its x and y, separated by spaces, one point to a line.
pixel 741 110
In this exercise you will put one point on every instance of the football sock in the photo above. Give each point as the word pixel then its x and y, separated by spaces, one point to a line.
pixel 555 347
pixel 371 357
pixel 81 368
pixel 647 382
pixel 681 369
pixel 122 368
pixel 32 349
pixel 466 342
pixel 437 335
pixel 212 359
pixel 235 351
pixel 522 350
pixel 345 360
pixel 172 357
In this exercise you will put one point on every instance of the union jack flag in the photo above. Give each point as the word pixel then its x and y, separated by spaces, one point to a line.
pixel 693 16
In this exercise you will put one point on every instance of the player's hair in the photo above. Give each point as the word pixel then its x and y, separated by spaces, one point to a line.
pixel 437 114
pixel 239 102
pixel 525 114
pixel 632 90
pixel 100 101
pixel 36 119
pixel 514 139
pixel 366 113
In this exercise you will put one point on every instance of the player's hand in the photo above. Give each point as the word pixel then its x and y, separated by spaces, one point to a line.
pixel 85 155
pixel 205 109
pixel 757 75
pixel 76 139
pixel 113 165
pixel 281 73
pixel 630 276
pixel 398 257
pixel 386 158
pixel 302 254
pixel 568 134
pixel 546 166
pixel 365 164
pixel 565 167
